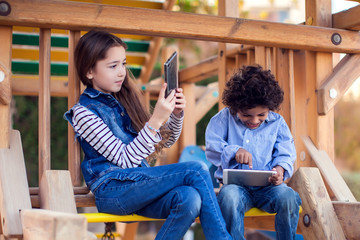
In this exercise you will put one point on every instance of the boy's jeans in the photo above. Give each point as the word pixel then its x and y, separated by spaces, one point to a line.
pixel 178 192
pixel 235 200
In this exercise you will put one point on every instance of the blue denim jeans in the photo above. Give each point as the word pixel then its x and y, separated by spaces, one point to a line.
pixel 178 192
pixel 235 200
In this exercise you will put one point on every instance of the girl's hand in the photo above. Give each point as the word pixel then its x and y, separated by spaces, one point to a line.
pixel 278 178
pixel 244 157
pixel 180 102
pixel 163 108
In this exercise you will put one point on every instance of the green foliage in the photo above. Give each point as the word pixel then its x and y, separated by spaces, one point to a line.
pixel 25 120
pixel 347 138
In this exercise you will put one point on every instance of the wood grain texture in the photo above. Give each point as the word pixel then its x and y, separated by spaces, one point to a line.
pixel 14 188
pixel 83 16
pixel 317 205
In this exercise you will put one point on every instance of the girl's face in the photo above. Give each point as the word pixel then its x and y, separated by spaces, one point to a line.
pixel 108 74
pixel 252 118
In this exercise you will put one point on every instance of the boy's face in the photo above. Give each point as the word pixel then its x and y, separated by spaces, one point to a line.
pixel 252 118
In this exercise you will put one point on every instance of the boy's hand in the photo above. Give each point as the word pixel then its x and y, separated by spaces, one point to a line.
pixel 278 178
pixel 180 102
pixel 244 157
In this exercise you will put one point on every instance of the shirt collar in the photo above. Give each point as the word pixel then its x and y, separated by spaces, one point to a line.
pixel 93 93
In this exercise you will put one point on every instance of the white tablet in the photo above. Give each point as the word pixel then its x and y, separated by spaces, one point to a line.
pixel 247 177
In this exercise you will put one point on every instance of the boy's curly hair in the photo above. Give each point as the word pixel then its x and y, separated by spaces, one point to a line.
pixel 250 87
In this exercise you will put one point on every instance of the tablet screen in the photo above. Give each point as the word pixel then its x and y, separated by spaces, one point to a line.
pixel 171 73
pixel 247 177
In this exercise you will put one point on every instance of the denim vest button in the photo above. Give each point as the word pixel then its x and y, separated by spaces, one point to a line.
pixel 122 114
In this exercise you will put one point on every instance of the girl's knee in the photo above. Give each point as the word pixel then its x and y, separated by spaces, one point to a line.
pixel 189 200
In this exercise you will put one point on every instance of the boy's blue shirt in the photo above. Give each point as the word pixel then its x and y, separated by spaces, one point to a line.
pixel 270 145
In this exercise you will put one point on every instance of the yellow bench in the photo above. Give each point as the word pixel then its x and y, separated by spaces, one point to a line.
pixel 105 217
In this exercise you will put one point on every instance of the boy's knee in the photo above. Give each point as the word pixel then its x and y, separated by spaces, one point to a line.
pixel 229 197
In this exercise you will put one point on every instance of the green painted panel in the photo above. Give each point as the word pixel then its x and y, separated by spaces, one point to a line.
pixel 59 41
pixel 57 69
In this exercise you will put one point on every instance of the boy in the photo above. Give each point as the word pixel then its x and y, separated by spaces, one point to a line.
pixel 247 134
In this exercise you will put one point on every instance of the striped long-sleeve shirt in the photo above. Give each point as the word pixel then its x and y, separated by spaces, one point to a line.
pixel 93 130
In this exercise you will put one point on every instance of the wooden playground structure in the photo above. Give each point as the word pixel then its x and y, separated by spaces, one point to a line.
pixel 300 56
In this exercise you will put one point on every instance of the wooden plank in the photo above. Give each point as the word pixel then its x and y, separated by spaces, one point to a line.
pixel 150 60
pixel 316 206
pixel 153 51
pixel 348 19
pixel 207 101
pixel 5 88
pixel 82 16
pixel 188 137
pixel 340 80
pixel 39 224
pixel 28 85
pixel 260 56
pixel 225 9
pixel 318 68
pixel 200 71
pixel 285 77
pixel 127 3
pixel 14 192
pixel 44 101
pixel 74 91
pixel 329 172
pixel 349 217
pixel 56 191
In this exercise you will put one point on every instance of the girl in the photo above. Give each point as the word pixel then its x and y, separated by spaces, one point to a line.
pixel 116 134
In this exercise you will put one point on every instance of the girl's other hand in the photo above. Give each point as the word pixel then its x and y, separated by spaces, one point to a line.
pixel 180 102
pixel 163 108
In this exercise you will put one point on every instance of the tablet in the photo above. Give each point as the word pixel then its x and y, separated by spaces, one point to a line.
pixel 247 177
pixel 171 73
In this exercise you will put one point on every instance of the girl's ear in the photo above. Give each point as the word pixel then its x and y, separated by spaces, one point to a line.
pixel 89 75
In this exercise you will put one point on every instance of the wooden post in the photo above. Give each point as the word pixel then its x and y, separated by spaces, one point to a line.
pixel 73 97
pixel 321 128
pixel 5 86
pixel 188 135
pixel 318 219
pixel 228 8
pixel 44 100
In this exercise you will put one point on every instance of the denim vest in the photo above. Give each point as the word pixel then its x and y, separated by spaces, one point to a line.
pixel 95 167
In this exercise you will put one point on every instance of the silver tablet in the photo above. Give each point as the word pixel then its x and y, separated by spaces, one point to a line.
pixel 247 177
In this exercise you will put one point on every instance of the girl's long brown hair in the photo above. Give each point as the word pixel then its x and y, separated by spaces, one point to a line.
pixel 92 47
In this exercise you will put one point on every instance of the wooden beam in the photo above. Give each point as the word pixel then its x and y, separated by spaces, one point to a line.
pixel 83 16
pixel 329 172
pixel 317 207
pixel 349 218
pixel 200 71
pixel 336 85
pixel 44 101
pixel 348 19
pixel 5 84
pixel 206 101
